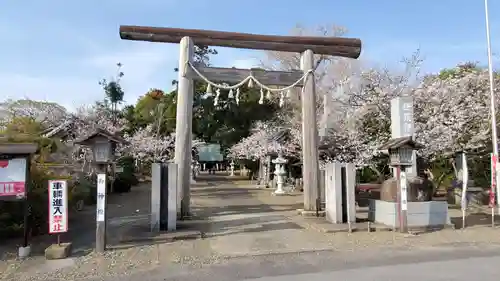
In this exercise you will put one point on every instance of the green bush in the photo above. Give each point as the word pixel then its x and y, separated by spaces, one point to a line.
pixel 125 179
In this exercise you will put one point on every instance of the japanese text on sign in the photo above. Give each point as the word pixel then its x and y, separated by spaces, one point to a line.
pixel 58 206
pixel 407 118
pixel 404 192
pixel 101 197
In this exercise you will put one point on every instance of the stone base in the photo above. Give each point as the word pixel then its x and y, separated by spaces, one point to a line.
pixel 420 215
pixel 186 217
pixel 58 251
pixel 304 213
pixel 24 252
pixel 280 193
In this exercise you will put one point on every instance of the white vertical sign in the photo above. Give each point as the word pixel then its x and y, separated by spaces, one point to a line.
pixel 404 191
pixel 465 180
pixel 403 125
pixel 58 206
pixel 101 197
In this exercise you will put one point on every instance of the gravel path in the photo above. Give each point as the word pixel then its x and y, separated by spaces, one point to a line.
pixel 241 225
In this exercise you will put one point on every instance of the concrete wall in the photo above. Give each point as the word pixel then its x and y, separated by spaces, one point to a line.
pixel 420 214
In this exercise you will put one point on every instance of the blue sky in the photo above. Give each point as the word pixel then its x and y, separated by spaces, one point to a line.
pixel 58 50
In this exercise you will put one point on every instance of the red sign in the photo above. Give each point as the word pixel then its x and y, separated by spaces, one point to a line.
pixel 11 188
pixel 12 177
pixel 493 180
pixel 492 198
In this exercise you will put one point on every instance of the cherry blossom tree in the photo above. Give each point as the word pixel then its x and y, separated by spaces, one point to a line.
pixel 262 142
pixel 46 113
pixel 147 146
pixel 453 113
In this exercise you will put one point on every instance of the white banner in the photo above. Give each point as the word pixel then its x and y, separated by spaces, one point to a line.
pixel 101 197
pixel 58 206
pixel 465 180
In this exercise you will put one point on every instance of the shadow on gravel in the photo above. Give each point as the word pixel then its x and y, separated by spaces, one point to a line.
pixel 474 219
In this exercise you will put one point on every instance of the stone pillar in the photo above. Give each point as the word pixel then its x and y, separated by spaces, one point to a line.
pixel 334 201
pixel 350 192
pixel 164 197
pixel 267 172
pixel 402 125
pixel 333 192
pixel 322 184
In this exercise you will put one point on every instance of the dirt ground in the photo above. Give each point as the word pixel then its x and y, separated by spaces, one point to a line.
pixel 234 219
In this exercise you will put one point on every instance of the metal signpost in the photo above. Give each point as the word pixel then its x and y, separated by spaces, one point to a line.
pixel 58 208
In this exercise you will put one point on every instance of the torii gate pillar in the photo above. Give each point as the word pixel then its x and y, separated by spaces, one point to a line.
pixel 183 126
pixel 310 167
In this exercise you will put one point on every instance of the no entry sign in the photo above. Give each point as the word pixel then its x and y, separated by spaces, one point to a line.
pixel 58 206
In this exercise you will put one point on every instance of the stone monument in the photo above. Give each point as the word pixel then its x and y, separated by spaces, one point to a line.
pixel 340 183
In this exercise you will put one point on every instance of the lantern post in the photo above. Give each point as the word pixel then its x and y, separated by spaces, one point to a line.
pixel 401 152
pixel 103 145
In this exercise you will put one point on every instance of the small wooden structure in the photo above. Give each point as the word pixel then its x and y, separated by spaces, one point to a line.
pixel 401 150
pixel 103 144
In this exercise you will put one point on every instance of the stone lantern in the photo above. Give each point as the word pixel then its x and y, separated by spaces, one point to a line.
pixel 231 165
pixel 103 145
pixel 280 173
pixel 401 156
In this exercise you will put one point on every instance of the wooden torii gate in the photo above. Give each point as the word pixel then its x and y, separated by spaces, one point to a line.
pixel 307 46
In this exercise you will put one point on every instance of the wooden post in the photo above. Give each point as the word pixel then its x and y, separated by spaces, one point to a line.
pixel 310 170
pixel 183 125
pixel 100 232
pixel 403 199
pixel 26 205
